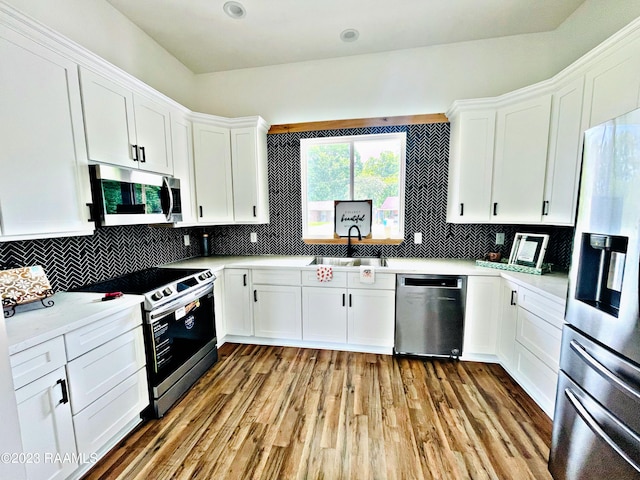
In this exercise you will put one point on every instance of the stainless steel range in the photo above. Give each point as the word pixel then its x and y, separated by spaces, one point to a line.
pixel 179 330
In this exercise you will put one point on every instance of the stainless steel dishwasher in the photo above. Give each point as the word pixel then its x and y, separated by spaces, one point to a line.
pixel 430 315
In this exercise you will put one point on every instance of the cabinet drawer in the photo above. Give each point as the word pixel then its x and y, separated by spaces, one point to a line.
pixel 37 361
pixel 339 280
pixel 95 373
pixel 538 379
pixel 540 337
pixel 544 307
pixel 276 277
pixel 386 281
pixel 97 425
pixel 91 336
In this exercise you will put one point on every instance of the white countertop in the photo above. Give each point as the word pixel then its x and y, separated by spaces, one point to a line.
pixel 71 310
pixel 554 284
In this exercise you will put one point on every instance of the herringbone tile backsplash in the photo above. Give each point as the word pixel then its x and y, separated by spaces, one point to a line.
pixel 112 251
pixel 425 207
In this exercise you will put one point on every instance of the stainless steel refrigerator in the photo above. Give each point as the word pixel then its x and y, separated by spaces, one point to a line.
pixel 596 429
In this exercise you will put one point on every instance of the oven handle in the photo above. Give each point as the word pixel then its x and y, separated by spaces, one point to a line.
pixel 155 315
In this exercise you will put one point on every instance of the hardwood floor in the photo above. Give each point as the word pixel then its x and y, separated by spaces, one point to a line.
pixel 281 412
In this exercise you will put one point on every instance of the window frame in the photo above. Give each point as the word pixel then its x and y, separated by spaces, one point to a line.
pixel 305 143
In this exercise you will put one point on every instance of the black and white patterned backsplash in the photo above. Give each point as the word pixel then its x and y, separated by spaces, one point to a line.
pixel 74 261
pixel 112 251
pixel 425 207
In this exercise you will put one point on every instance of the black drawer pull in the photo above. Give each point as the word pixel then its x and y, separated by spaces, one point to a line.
pixel 244 280
pixel 65 393
pixel 513 297
pixel 461 209
pixel 255 295
pixel 495 208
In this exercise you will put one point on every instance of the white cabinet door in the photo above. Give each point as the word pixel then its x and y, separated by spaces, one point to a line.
pixel 153 135
pixel 46 427
pixel 481 315
pixel 522 137
pixel 277 311
pixel 44 185
pixel 564 156
pixel 109 120
pixel 212 158
pixel 94 374
pixel 238 313
pixel 124 128
pixel 182 149
pixel 612 86
pixel 99 423
pixel 471 166
pixel 371 317
pixel 508 319
pixel 324 314
pixel 249 161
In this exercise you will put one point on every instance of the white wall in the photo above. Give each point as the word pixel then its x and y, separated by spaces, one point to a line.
pixel 99 27
pixel 422 80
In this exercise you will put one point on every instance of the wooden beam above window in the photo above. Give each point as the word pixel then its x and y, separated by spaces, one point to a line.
pixel 359 123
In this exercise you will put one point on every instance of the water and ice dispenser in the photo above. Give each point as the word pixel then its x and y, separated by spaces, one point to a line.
pixel 601 270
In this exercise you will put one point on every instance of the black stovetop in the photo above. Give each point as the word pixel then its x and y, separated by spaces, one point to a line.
pixel 140 282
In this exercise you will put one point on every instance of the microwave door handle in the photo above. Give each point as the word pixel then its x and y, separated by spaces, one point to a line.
pixel 168 213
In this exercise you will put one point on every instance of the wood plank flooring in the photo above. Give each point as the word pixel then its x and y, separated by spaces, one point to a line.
pixel 292 413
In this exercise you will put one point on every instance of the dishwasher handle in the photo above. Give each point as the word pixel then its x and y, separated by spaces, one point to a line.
pixel 453 282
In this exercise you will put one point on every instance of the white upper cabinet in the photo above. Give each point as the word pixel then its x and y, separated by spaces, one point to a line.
pixel 522 134
pixel 471 166
pixel 230 158
pixel 612 86
pixel 249 162
pixel 212 158
pixel 534 152
pixel 183 168
pixel 564 155
pixel 124 128
pixel 44 185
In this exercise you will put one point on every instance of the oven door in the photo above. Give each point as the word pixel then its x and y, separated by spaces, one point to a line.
pixel 177 333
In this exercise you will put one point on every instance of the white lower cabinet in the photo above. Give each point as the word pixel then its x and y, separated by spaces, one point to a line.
pixel 277 311
pixel 46 427
pixel 481 315
pixel 71 416
pixel 100 422
pixel 529 341
pixel 347 311
pixel 324 314
pixel 277 303
pixel 238 314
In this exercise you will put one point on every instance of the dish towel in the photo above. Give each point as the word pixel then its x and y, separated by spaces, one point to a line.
pixel 324 273
pixel 367 274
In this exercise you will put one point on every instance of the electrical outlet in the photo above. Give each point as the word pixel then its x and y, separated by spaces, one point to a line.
pixel 187 240
pixel 253 237
pixel 499 238
pixel 417 238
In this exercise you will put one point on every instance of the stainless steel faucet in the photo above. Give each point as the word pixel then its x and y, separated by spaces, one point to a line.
pixel 350 248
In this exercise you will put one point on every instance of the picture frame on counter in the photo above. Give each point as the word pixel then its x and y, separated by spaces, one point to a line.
pixel 348 213
pixel 529 249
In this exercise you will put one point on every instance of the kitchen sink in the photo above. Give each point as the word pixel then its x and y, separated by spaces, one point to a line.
pixel 350 261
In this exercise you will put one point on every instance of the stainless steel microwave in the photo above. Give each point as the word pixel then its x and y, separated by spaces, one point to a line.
pixel 129 197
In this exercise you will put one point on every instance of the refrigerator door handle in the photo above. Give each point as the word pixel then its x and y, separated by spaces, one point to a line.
pixel 597 429
pixel 602 370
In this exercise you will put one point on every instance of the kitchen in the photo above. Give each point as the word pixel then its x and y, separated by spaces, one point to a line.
pixel 73 261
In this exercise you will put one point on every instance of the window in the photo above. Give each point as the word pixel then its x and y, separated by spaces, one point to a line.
pixel 353 168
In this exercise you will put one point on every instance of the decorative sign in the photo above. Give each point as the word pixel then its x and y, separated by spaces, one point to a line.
pixel 24 285
pixel 528 249
pixel 353 212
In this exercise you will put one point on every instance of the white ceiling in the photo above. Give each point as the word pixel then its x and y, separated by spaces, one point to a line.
pixel 205 39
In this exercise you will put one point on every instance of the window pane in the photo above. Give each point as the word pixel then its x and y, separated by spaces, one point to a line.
pixel 328 173
pixel 377 176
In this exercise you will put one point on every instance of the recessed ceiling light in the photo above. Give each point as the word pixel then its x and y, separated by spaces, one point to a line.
pixel 349 35
pixel 234 9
